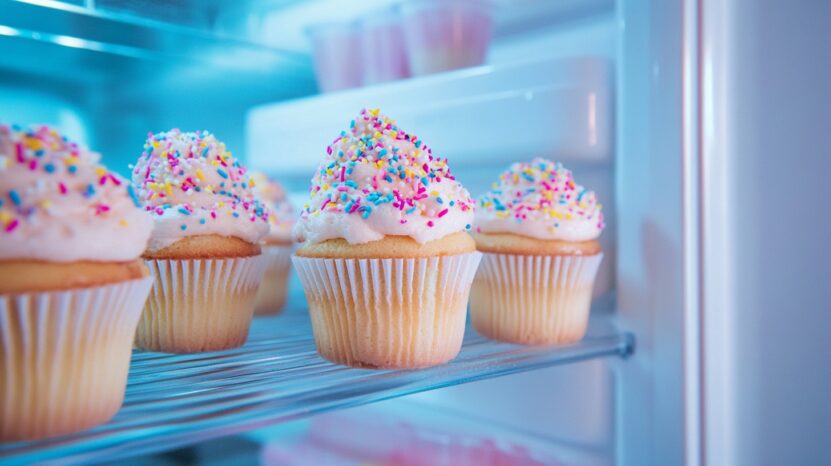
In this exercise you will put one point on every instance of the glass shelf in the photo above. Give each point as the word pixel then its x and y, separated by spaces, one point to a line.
pixel 178 400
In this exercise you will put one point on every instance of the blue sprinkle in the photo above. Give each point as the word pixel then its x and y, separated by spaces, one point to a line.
pixel 133 196
pixel 580 196
pixel 343 196
pixel 235 214
pixel 452 203
pixel 440 200
pixel 527 177
pixel 49 168
pixel 222 173
pixel 388 178
pixel 205 152
pixel 410 210
pixel 72 168
pixel 90 190
pixel 14 197
pixel 39 153
pixel 467 227
pixel 424 180
pixel 183 227
pixel 418 144
pixel 352 124
pixel 382 152
pixel 184 211
pixel 352 184
pixel 2 202
pixel 201 221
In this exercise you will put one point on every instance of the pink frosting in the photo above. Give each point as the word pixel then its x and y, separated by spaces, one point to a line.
pixel 375 181
pixel 281 213
pixel 58 204
pixel 540 199
pixel 194 186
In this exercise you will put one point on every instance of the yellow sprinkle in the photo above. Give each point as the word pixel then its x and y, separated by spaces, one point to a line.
pixel 221 204
pixel 503 214
pixel 251 182
pixel 214 162
pixel 5 217
pixel 377 135
pixel 434 193
pixel 169 189
pixel 325 187
pixel 45 204
pixel 200 175
pixel 374 111
pixel 123 222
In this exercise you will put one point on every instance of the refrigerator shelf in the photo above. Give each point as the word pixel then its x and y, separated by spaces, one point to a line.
pixel 178 400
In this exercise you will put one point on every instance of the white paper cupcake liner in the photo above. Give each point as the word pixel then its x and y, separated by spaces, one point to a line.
pixel 64 357
pixel 271 296
pixel 534 300
pixel 404 313
pixel 200 305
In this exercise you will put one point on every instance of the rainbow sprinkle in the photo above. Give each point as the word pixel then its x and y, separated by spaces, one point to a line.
pixel 540 190
pixel 175 165
pixel 377 164
pixel 43 150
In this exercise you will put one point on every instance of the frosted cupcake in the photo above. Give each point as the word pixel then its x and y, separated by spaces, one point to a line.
pixel 538 230
pixel 386 262
pixel 71 285
pixel 277 245
pixel 205 246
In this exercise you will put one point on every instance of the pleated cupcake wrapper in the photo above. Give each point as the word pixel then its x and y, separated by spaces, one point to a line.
pixel 533 299
pixel 200 305
pixel 271 296
pixel 64 357
pixel 403 313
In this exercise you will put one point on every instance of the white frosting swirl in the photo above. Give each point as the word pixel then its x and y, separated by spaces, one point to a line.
pixel 541 200
pixel 378 181
pixel 194 186
pixel 58 204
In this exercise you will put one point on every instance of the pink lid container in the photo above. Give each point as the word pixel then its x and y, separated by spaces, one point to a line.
pixel 337 56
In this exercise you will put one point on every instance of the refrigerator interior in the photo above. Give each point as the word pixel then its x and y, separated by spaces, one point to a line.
pixel 670 109
pixel 110 72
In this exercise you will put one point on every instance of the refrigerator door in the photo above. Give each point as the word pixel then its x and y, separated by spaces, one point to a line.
pixel 766 104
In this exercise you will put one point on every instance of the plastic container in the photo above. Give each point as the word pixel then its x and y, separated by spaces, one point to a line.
pixel 444 35
pixel 337 56
pixel 384 50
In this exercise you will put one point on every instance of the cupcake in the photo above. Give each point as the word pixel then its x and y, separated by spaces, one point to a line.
pixel 205 245
pixel 386 261
pixel 277 245
pixel 72 285
pixel 538 230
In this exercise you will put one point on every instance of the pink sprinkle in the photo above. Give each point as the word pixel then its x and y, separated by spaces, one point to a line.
pixel 62 187
pixel 430 223
pixel 442 213
pixel 426 168
pixel 33 165
pixel 12 225
pixel 403 221
pixel 343 174
pixel 343 188
pixel 115 180
pixel 354 206
pixel 329 150
pixel 102 180
pixel 326 202
pixel 20 157
pixel 213 214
